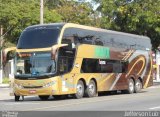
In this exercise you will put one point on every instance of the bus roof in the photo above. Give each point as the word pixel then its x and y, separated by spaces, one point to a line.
pixel 105 30
pixel 67 25
pixel 48 25
pixel 119 36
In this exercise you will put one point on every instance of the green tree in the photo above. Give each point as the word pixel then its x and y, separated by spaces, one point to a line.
pixel 15 15
pixel 133 16
pixel 75 12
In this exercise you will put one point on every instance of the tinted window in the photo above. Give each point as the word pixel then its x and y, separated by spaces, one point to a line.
pixel 65 60
pixel 38 38
pixel 82 36
pixel 107 38
pixel 90 66
pixel 34 64
pixel 103 66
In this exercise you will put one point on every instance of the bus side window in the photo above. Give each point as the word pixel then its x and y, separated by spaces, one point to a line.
pixel 124 66
pixel 107 67
pixel 66 55
pixel 113 66
pixel 62 65
pixel 90 66
pixel 103 66
pixel 117 67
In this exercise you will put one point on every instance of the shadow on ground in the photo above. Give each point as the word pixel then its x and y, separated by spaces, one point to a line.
pixel 65 97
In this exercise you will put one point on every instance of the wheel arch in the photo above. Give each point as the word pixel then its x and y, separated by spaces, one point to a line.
pixel 132 77
pixel 139 78
pixel 83 80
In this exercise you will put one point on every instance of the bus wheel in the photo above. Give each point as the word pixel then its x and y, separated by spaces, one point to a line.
pixel 91 89
pixel 138 86
pixel 44 97
pixel 130 89
pixel 16 98
pixel 79 89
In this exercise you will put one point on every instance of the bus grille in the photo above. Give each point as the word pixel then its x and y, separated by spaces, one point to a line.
pixel 32 86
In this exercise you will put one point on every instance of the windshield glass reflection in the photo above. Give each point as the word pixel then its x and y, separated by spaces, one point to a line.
pixel 34 64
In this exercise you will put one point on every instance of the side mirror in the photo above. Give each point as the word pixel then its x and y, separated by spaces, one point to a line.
pixel 54 50
pixel 69 46
pixel 8 54
pixel 69 43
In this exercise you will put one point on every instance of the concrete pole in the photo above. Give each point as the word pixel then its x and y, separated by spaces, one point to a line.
pixel 41 12
pixel 1 65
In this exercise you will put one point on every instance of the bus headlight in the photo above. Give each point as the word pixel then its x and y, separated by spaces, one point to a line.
pixel 49 84
pixel 18 86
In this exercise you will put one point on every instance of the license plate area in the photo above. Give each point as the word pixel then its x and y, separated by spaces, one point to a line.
pixel 32 91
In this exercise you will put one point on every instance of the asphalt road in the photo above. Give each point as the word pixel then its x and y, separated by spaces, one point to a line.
pixel 147 100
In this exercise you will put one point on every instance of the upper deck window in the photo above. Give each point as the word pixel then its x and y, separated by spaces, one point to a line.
pixel 107 38
pixel 41 37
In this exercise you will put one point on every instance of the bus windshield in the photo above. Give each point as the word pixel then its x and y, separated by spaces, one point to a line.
pixel 38 38
pixel 34 64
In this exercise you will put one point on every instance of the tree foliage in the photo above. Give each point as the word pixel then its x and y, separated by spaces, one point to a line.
pixel 15 15
pixel 140 17
pixel 75 12
pixel 133 16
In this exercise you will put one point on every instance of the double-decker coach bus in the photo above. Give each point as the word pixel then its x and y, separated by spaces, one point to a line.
pixel 70 59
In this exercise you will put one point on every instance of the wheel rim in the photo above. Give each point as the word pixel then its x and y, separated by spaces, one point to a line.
pixel 79 89
pixel 131 86
pixel 91 88
pixel 138 85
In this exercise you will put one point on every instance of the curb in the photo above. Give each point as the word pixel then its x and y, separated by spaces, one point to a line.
pixel 4 85
pixel 156 83
pixel 154 87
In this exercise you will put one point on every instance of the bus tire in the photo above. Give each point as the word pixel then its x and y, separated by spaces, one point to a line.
pixel 79 90
pixel 138 86
pixel 91 89
pixel 16 98
pixel 131 85
pixel 44 97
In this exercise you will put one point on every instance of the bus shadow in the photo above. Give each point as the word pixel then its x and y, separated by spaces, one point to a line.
pixel 36 98
pixel 111 93
pixel 67 97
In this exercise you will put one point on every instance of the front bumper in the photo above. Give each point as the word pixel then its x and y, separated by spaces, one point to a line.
pixel 30 92
pixel 35 87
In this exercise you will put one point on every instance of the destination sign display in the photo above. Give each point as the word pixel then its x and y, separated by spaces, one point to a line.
pixel 24 54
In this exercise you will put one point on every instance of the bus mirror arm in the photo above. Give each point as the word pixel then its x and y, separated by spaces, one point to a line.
pixel 54 50
pixel 7 55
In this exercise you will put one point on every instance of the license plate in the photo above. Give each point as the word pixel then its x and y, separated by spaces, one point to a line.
pixel 32 91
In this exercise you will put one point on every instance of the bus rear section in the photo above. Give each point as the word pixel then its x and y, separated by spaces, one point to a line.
pixel 116 69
